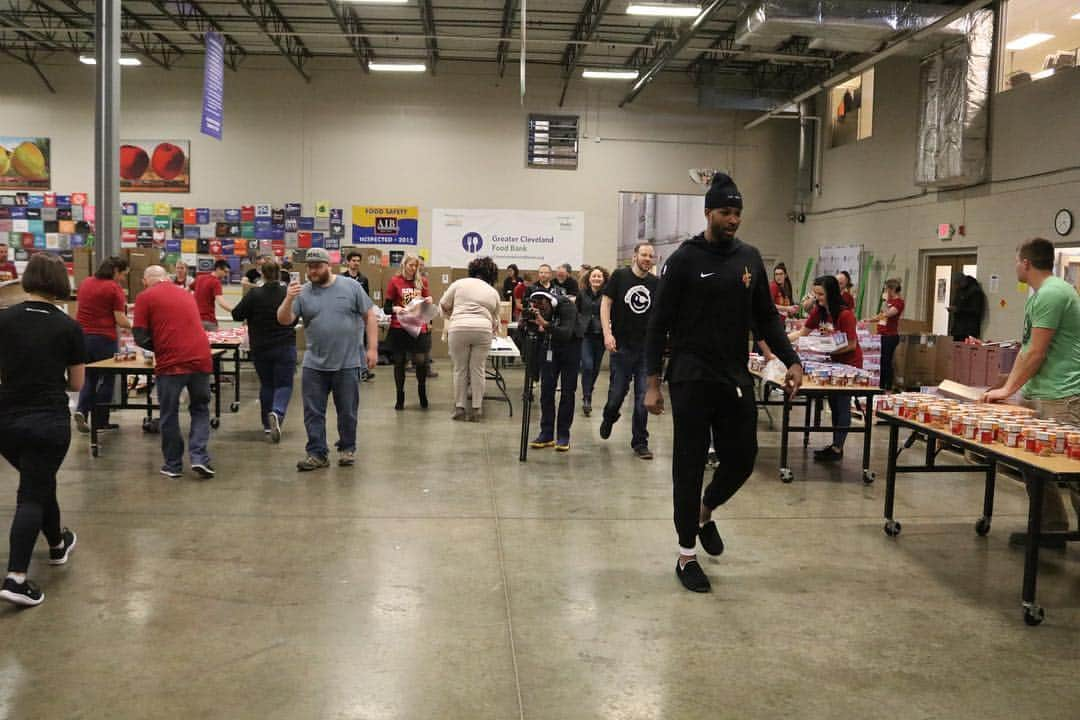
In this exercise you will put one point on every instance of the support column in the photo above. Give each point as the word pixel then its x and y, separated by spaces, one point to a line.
pixel 107 128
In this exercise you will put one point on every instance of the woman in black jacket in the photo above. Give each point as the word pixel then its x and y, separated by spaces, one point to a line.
pixel 273 347
pixel 43 356
pixel 592 345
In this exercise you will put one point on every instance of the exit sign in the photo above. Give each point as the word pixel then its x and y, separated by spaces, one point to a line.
pixel 945 231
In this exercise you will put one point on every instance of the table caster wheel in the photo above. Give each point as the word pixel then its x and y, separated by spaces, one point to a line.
pixel 786 476
pixel 892 528
pixel 868 476
pixel 235 407
pixel 214 423
pixel 1034 615
pixel 982 526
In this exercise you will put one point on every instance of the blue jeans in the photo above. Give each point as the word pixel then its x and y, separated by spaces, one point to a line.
pixel 275 367
pixel 592 355
pixel 562 371
pixel 315 388
pixel 98 387
pixel 169 388
pixel 628 365
pixel 840 405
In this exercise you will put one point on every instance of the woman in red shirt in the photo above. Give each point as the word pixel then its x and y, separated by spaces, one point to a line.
pixel 832 316
pixel 844 279
pixel 406 286
pixel 102 307
pixel 888 321
pixel 781 291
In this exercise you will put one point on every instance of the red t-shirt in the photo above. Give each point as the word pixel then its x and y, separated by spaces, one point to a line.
pixel 206 288
pixel 169 313
pixel 778 296
pixel 400 292
pixel 98 300
pixel 8 271
pixel 848 298
pixel 845 324
pixel 891 326
pixel 519 297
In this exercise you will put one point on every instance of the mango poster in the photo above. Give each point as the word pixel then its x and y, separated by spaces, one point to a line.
pixel 24 163
pixel 155 166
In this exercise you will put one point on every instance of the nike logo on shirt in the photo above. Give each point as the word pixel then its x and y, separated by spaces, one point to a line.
pixel 705 275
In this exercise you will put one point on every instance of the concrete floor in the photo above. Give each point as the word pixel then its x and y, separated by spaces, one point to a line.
pixel 442 579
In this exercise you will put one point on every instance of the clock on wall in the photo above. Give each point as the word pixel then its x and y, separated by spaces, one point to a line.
pixel 1063 222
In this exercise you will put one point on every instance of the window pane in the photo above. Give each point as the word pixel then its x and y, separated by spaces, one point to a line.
pixel 1040 39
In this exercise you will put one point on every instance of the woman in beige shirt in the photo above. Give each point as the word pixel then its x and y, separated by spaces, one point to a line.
pixel 472 308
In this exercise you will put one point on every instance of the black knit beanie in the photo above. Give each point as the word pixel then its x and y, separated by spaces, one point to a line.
pixel 722 193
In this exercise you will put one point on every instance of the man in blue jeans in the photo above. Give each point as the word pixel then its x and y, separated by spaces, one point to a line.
pixel 624 317
pixel 336 312
pixel 167 322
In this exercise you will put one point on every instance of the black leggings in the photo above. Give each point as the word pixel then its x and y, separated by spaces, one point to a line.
pixel 402 347
pixel 35 443
pixel 888 352
pixel 729 415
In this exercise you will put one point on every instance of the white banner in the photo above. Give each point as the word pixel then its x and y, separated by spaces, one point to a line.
pixel 528 238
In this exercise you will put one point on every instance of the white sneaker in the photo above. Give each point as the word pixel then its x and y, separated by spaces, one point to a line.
pixel 275 427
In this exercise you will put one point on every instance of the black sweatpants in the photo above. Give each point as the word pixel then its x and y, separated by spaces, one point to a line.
pixel 35 443
pixel 728 415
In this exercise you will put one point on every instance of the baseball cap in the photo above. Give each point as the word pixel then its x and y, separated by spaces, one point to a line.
pixel 316 255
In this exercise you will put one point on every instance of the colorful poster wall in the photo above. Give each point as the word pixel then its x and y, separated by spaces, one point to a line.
pixel 527 238
pixel 24 163
pixel 161 166
pixel 385 225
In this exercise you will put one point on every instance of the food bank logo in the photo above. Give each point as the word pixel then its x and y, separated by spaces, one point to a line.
pixel 472 242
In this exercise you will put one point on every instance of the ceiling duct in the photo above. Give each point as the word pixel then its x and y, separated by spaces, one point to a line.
pixel 839 25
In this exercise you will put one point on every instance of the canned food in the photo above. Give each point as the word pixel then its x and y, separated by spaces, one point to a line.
pixel 1011 436
pixel 956 423
pixel 971 427
pixel 1042 443
pixel 986 432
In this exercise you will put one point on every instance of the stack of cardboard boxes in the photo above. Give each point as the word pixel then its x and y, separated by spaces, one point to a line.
pixel 983 365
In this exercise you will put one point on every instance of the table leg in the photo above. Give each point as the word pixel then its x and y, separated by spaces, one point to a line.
pixel 785 472
pixel 216 420
pixel 235 407
pixel 982 526
pixel 892 528
pixel 812 405
pixel 868 423
pixel 1033 614
pixel 500 382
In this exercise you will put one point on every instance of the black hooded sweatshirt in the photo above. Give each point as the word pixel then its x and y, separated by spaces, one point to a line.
pixel 710 297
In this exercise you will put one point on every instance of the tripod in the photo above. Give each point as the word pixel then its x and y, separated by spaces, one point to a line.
pixel 531 349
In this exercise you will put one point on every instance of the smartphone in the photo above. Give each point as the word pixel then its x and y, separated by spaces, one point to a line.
pixel 294 277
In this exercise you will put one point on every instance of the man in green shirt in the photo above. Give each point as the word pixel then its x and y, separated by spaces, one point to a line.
pixel 1047 371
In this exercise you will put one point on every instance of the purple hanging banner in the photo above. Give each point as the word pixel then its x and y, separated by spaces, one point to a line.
pixel 213 85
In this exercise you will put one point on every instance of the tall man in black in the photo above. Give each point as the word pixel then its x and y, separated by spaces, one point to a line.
pixel 713 290
pixel 624 316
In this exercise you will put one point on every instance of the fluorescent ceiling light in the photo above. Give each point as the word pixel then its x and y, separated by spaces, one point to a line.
pixel 610 74
pixel 127 61
pixel 1029 41
pixel 660 9
pixel 1076 16
pixel 397 67
pixel 1043 74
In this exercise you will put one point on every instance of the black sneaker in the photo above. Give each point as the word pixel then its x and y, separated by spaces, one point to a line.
pixel 693 577
pixel 203 470
pixel 27 594
pixel 605 428
pixel 643 452
pixel 80 422
pixel 171 473
pixel 59 556
pixel 586 408
pixel 710 538
pixel 828 454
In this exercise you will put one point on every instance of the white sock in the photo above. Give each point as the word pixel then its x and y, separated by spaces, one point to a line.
pixel 17 577
pixel 687 552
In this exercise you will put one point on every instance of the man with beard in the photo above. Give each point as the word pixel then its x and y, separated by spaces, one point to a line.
pixel 335 313
pixel 713 291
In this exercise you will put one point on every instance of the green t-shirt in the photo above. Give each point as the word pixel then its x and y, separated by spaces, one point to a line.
pixel 1055 306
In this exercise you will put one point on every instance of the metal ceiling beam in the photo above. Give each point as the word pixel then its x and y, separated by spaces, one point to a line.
pixel 587 25
pixel 53 22
pixel 191 17
pixel 504 43
pixel 27 55
pixel 155 46
pixel 353 29
pixel 672 50
pixel 890 49
pixel 268 17
pixel 427 17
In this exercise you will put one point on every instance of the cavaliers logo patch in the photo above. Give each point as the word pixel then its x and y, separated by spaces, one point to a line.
pixel 747 277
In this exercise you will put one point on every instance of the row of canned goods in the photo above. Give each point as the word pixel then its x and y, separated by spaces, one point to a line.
pixel 987 424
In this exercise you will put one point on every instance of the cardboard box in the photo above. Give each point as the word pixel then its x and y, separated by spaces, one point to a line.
pixel 11 293
pixel 913 327
pixel 961 362
pixel 138 260
pixel 82 264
